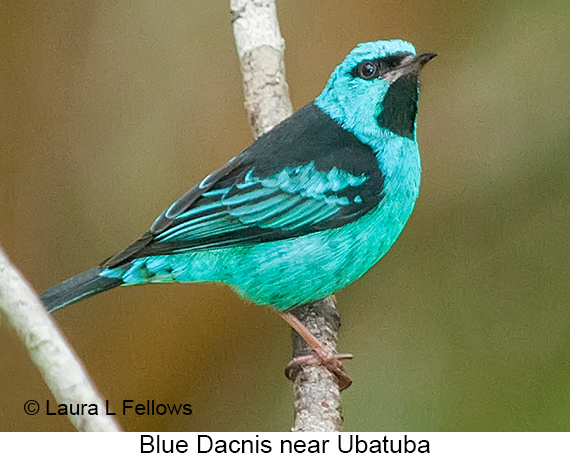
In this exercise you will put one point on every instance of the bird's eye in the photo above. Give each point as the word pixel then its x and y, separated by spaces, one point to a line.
pixel 368 70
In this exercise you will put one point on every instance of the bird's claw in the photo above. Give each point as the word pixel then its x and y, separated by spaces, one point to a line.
pixel 330 360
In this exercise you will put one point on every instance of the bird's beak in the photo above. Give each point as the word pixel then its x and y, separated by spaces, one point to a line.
pixel 409 65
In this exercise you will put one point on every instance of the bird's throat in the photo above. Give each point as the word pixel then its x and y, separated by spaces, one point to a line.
pixel 400 106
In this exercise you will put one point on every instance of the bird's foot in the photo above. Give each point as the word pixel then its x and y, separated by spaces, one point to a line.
pixel 327 358
pixel 323 355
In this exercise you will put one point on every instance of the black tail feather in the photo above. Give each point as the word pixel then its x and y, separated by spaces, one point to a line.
pixel 78 287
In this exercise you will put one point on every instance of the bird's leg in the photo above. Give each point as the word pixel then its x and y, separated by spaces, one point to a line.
pixel 323 355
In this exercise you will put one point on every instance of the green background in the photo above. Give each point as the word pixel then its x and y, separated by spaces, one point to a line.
pixel 111 110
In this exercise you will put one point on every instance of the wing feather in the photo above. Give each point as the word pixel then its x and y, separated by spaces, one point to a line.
pixel 295 199
pixel 306 175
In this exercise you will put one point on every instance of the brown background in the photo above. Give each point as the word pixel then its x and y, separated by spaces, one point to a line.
pixel 110 110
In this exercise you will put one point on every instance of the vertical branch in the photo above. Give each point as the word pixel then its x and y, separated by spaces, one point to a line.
pixel 260 47
pixel 317 394
pixel 61 369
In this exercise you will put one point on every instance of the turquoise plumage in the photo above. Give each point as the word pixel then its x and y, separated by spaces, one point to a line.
pixel 304 211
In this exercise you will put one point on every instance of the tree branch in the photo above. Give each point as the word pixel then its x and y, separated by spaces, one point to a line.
pixel 59 365
pixel 317 394
pixel 260 48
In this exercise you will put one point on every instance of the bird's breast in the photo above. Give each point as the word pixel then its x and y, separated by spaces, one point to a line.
pixel 290 272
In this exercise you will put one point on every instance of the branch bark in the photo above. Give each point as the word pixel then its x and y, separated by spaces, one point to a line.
pixel 260 48
pixel 317 394
pixel 59 365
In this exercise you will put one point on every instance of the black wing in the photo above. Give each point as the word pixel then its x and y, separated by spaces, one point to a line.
pixel 306 175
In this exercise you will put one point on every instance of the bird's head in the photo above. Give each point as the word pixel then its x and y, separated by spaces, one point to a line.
pixel 374 91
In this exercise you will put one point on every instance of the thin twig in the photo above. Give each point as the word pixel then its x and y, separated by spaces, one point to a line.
pixel 260 48
pixel 59 365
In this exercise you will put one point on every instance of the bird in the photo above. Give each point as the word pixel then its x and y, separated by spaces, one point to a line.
pixel 304 211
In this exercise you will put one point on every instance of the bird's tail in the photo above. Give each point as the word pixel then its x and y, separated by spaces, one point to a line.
pixel 78 287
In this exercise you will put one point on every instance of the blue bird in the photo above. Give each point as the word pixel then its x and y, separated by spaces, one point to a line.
pixel 304 211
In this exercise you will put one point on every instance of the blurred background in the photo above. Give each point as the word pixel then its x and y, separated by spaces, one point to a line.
pixel 110 111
